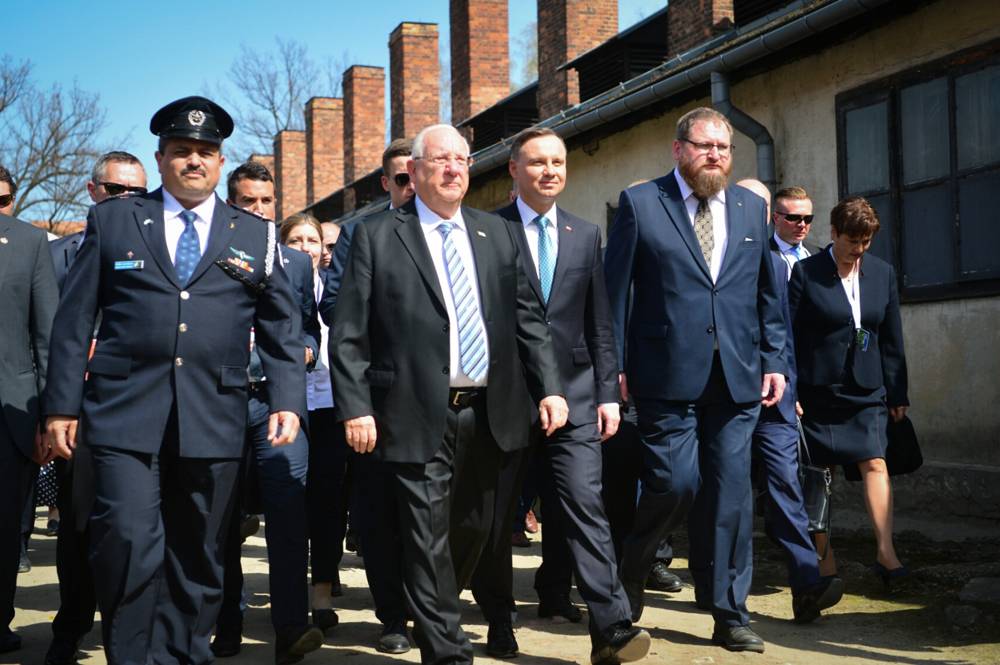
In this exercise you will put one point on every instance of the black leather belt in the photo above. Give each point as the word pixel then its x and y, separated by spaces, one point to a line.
pixel 460 398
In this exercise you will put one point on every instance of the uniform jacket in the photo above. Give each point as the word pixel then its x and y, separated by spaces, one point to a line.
pixel 163 345
pixel 673 314
pixel 578 314
pixel 28 300
pixel 390 343
pixel 825 333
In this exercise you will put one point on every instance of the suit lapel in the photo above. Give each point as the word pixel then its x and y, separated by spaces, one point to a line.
pixel 149 218
pixel 735 225
pixel 220 231
pixel 482 255
pixel 513 217
pixel 566 235
pixel 6 252
pixel 670 197
pixel 412 237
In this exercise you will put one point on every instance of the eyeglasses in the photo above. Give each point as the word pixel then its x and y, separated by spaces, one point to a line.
pixel 6 200
pixel 401 179
pixel 117 189
pixel 724 149
pixel 441 161
pixel 795 219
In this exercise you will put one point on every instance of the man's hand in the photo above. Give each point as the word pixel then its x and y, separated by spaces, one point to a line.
pixel 309 356
pixel 623 386
pixel 41 454
pixel 361 433
pixel 282 428
pixel 897 413
pixel 798 409
pixel 608 419
pixel 772 389
pixel 553 412
pixel 60 435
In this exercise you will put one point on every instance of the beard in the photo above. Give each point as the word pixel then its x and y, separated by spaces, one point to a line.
pixel 705 183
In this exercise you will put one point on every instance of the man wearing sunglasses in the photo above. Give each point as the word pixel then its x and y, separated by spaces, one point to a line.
pixel 792 216
pixel 8 190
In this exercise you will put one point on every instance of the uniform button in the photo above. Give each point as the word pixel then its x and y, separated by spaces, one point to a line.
pixel 445 327
pixel 710 330
pixel 183 327
pixel 178 361
pixel 185 295
pixel 445 370
pixel 715 292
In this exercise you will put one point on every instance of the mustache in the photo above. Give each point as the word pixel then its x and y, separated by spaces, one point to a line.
pixel 193 170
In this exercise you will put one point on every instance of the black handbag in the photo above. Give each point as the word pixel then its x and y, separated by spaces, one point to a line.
pixel 815 481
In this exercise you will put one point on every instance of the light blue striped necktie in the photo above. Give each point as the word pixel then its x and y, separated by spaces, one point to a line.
pixel 546 260
pixel 188 251
pixel 472 352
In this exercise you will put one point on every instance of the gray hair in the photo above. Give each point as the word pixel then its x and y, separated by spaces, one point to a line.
pixel 421 138
pixel 100 166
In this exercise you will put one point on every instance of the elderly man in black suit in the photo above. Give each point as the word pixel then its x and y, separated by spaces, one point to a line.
pixel 28 299
pixel 439 343
pixel 179 279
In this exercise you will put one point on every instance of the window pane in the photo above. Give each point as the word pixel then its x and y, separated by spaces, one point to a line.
pixel 923 111
pixel 977 111
pixel 867 143
pixel 884 243
pixel 979 226
pixel 928 249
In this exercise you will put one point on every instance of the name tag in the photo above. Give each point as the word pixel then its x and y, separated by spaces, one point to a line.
pixel 129 265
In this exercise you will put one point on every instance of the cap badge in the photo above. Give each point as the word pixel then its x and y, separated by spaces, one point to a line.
pixel 196 118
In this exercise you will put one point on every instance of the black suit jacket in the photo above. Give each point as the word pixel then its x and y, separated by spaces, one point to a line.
pixel 28 300
pixel 162 344
pixel 824 327
pixel 63 252
pixel 786 271
pixel 298 266
pixel 786 407
pixel 390 342
pixel 577 313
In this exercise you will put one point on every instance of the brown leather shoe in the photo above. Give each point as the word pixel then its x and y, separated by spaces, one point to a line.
pixel 530 523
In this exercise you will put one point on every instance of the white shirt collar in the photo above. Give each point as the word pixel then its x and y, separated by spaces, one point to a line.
pixel 431 220
pixel 172 208
pixel 528 213
pixel 686 190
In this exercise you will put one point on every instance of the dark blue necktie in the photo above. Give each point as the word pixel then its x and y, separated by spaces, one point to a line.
pixel 188 251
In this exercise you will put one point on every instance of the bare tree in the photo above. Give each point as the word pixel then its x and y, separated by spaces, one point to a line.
pixel 524 57
pixel 13 80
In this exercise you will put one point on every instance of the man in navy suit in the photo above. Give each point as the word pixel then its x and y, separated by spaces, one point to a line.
pixel 179 278
pixel 694 301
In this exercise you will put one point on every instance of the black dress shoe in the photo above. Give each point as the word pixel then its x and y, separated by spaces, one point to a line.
pixel 249 526
pixel 325 620
pixel 559 608
pixel 393 640
pixel 500 642
pixel 9 641
pixel 61 652
pixel 622 643
pixel 807 604
pixel 294 643
pixel 738 638
pixel 890 578
pixel 661 579
pixel 24 564
pixel 226 646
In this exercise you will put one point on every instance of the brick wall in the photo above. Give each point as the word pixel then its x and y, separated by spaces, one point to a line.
pixel 290 171
pixel 415 78
pixel 324 147
pixel 567 28
pixel 364 120
pixel 693 21
pixel 480 62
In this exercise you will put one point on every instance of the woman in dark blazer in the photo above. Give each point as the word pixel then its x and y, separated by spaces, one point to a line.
pixel 852 371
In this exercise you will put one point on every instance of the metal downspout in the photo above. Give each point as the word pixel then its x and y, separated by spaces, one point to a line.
pixel 744 124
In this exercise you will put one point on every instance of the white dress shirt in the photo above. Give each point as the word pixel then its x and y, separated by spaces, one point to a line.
pixel 789 255
pixel 319 390
pixel 429 223
pixel 852 289
pixel 531 230
pixel 173 225
pixel 717 205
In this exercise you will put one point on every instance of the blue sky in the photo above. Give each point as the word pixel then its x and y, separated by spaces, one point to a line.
pixel 141 55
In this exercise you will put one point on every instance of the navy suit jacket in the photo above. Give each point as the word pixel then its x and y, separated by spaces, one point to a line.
pixel 786 407
pixel 63 253
pixel 824 327
pixel 163 345
pixel 578 314
pixel 298 266
pixel 666 309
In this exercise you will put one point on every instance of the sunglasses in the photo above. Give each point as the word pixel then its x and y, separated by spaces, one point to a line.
pixel 116 189
pixel 401 179
pixel 6 200
pixel 795 219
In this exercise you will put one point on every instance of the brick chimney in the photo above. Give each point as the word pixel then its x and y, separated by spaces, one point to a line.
pixel 266 160
pixel 415 77
pixel 290 171
pixel 364 120
pixel 324 147
pixel 691 22
pixel 480 63
pixel 567 28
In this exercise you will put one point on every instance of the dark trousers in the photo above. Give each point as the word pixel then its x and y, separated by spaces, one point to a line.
pixel 775 447
pixel 696 459
pixel 281 478
pixel 156 543
pixel 445 510
pixel 15 476
pixel 77 597
pixel 325 495
pixel 378 527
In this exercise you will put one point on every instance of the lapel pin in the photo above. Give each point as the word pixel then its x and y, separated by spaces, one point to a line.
pixel 481 233
pixel 3 240
pixel 568 228
pixel 129 254
pixel 232 225
pixel 147 221
pixel 739 204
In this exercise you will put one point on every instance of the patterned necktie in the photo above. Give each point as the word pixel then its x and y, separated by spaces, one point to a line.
pixel 546 262
pixel 703 230
pixel 472 352
pixel 188 251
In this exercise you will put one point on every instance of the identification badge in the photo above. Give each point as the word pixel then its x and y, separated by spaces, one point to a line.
pixel 129 265
pixel 861 338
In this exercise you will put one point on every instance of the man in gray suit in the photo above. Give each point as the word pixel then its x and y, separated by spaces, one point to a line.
pixel 28 299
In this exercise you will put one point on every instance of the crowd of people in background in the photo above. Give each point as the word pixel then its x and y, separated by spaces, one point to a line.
pixel 418 377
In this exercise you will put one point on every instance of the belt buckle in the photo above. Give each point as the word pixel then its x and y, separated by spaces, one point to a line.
pixel 456 397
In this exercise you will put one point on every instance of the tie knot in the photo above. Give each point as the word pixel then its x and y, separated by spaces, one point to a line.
pixel 444 228
pixel 702 203
pixel 797 251
pixel 542 222
pixel 188 217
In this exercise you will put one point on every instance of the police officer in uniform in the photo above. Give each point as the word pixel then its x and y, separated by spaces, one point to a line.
pixel 179 279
